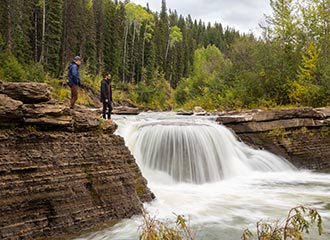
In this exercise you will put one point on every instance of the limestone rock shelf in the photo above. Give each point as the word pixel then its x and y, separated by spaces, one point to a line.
pixel 301 135
pixel 61 171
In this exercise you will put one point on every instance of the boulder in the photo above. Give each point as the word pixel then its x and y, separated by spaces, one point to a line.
pixel 126 110
pixel 184 113
pixel 10 109
pixel 27 92
pixel 198 109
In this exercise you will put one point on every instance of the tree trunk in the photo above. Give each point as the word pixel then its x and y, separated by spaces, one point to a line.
pixel 42 54
pixel 133 62
pixel 63 54
pixel 35 36
pixel 326 32
pixel 143 46
pixel 124 54
pixel 9 40
pixel 167 49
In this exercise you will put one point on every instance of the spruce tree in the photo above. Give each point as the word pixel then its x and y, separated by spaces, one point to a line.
pixel 98 7
pixel 88 36
pixel 71 43
pixel 162 36
pixel 54 31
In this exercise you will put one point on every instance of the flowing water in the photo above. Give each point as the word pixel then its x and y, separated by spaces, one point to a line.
pixel 198 168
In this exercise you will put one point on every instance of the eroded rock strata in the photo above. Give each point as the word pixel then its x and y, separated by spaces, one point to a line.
pixel 301 135
pixel 61 171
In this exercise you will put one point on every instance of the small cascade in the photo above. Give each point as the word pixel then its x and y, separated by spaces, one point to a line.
pixel 197 151
pixel 175 153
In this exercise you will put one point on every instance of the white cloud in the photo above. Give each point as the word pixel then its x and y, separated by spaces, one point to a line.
pixel 243 15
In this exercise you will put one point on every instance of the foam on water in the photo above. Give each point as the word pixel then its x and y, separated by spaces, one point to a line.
pixel 199 169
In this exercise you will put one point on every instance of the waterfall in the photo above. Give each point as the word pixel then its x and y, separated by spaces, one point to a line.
pixel 197 151
pixel 240 186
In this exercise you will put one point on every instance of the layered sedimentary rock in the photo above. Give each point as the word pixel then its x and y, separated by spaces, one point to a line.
pixel 301 135
pixel 61 171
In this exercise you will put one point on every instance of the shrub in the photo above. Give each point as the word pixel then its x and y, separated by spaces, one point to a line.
pixel 10 69
pixel 153 229
pixel 298 221
pixel 35 73
pixel 157 95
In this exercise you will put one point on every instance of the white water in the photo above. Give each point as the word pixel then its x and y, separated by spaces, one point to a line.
pixel 197 168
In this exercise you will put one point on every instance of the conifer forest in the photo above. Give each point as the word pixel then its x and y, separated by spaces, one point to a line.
pixel 162 60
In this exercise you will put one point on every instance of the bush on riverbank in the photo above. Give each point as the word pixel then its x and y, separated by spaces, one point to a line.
pixel 299 220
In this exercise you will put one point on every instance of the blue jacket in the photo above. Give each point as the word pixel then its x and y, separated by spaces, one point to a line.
pixel 73 74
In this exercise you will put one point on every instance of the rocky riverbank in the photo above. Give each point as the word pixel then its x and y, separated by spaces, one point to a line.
pixel 301 135
pixel 61 171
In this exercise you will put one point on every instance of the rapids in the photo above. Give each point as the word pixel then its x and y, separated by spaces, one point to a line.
pixel 198 168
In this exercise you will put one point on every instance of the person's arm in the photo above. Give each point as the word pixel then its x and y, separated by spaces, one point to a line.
pixel 110 93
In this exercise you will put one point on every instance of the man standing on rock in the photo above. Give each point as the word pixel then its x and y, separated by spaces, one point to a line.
pixel 74 79
pixel 106 96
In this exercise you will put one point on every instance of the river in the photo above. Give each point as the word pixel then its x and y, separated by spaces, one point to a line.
pixel 199 169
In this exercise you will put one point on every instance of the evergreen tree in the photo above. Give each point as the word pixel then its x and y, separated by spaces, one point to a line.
pixel 88 47
pixel 53 35
pixel 162 37
pixel 72 32
pixel 4 23
pixel 19 30
pixel 99 31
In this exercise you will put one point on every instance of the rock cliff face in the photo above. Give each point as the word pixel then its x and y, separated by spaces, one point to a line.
pixel 301 135
pixel 61 171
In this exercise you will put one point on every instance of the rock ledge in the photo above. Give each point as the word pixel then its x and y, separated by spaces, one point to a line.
pixel 61 171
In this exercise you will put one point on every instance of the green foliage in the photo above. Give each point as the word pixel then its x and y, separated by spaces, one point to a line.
pixel 156 95
pixel 204 64
pixel 30 128
pixel 299 220
pixel 153 229
pixel 62 93
pixel 306 94
pixel 308 68
pixel 89 79
pixel 10 69
pixel 207 86
pixel 84 99
pixel 54 30
pixel 35 73
pixel 2 43
pixel 323 99
pixel 175 35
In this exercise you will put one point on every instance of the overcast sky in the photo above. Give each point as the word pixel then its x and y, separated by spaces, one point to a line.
pixel 243 15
